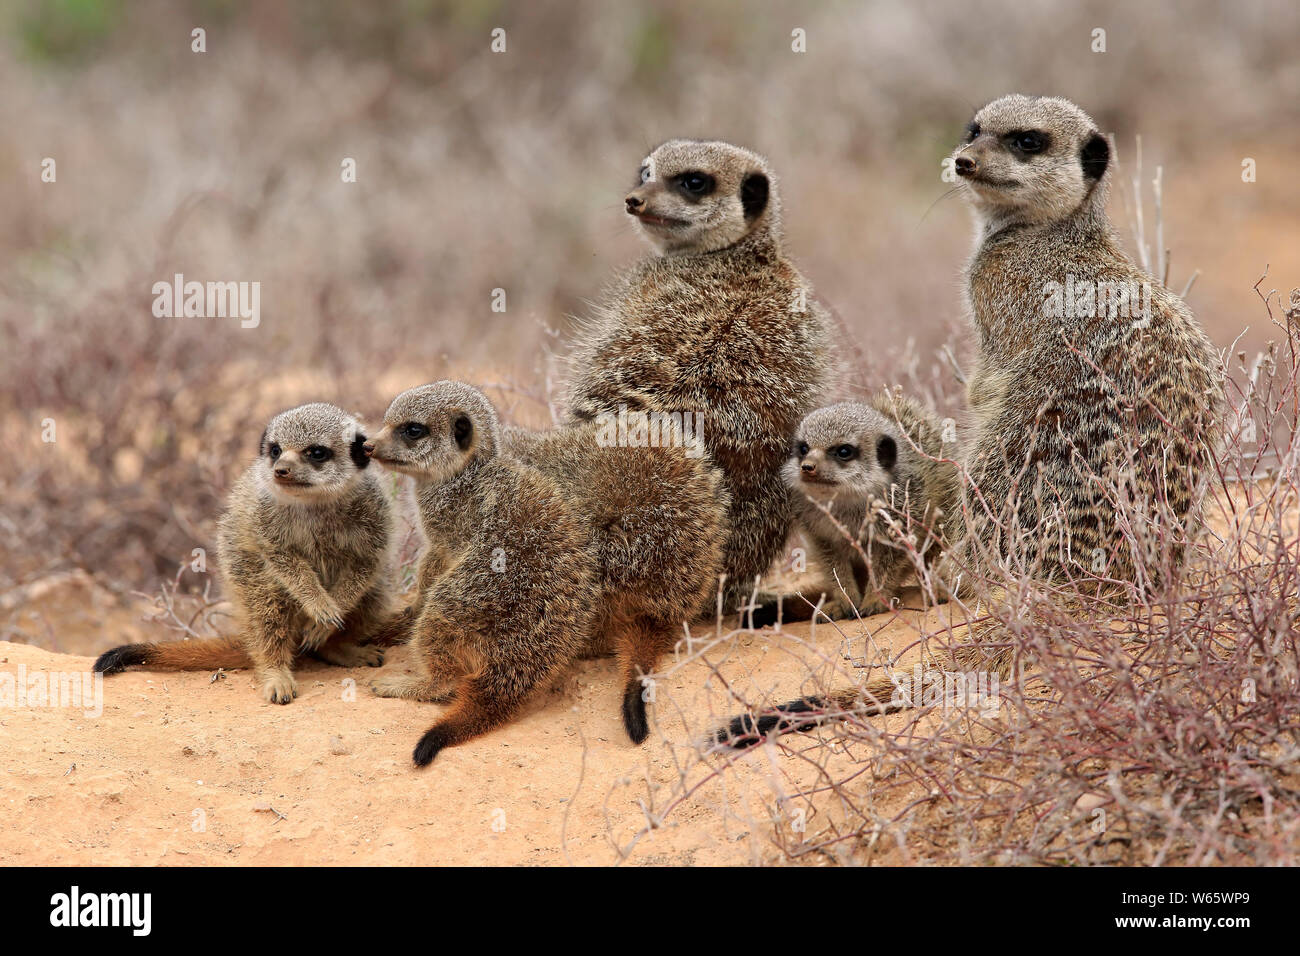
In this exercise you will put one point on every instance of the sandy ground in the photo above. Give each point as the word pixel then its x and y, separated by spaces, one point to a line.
pixel 185 769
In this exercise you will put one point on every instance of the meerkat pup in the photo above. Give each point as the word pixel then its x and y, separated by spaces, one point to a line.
pixel 718 324
pixel 508 581
pixel 304 552
pixel 1093 382
pixel 864 476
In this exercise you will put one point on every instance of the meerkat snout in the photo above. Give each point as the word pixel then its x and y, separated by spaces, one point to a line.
pixel 966 166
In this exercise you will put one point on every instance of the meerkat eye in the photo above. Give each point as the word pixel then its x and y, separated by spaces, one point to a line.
pixel 319 453
pixel 413 431
pixel 801 449
pixel 845 452
pixel 1028 141
pixel 274 450
pixel 697 184
pixel 645 175
pixel 972 131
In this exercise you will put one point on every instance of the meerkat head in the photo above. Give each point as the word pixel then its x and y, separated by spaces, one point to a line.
pixel 311 453
pixel 1032 159
pixel 695 196
pixel 433 432
pixel 848 452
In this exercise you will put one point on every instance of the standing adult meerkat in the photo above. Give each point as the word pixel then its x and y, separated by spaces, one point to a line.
pixel 657 517
pixel 719 323
pixel 304 551
pixel 1092 384
pixel 865 475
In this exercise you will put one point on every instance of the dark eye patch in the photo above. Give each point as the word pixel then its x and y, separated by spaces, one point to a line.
pixel 274 451
pixel 413 431
pixel 318 454
pixel 695 184
pixel 845 452
pixel 972 130
pixel 1027 142
pixel 801 449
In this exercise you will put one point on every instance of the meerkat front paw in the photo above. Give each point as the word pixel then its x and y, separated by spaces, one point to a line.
pixel 279 687
pixel 326 614
pixel 351 655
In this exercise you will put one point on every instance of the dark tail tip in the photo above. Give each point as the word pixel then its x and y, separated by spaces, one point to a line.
pixel 120 658
pixel 763 615
pixel 746 731
pixel 432 742
pixel 634 718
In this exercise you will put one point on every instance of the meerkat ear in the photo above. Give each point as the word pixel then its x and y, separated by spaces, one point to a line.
pixel 357 450
pixel 463 431
pixel 261 445
pixel 886 452
pixel 753 194
pixel 1095 156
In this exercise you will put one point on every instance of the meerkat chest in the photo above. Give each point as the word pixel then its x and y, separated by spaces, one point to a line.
pixel 330 539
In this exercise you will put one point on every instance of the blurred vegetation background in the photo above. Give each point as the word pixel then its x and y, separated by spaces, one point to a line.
pixel 479 170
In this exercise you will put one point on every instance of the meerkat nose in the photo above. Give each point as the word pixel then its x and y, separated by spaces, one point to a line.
pixel 809 468
pixel 966 166
pixel 282 472
pixel 634 203
pixel 368 448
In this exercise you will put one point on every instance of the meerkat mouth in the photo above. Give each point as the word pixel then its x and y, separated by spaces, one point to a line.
pixel 983 179
pixel 650 219
pixel 291 483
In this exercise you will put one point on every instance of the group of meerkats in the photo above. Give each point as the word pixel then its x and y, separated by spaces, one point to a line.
pixel 546 546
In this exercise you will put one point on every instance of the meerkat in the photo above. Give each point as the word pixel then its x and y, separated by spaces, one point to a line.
pixel 863 475
pixel 304 550
pixel 521 572
pixel 718 323
pixel 1114 393
pixel 657 515
pixel 1092 382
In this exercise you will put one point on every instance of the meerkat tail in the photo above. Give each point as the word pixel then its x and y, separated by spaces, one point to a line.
pixel 635 721
pixel 196 655
pixel 806 713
